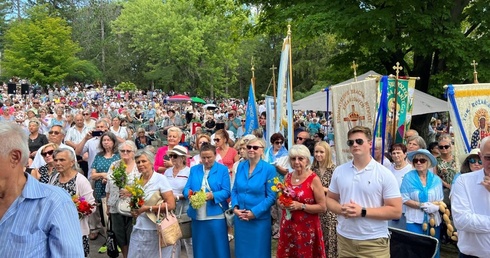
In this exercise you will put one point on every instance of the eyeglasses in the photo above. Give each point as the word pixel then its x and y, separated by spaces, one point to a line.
pixel 444 146
pixel 350 143
pixel 300 138
pixel 278 142
pixel 243 120
pixel 173 156
pixel 35 102
pixel 422 161
pixel 85 114
pixel 254 147
pixel 216 139
pixel 125 151
pixel 50 153
pixel 473 161
pixel 297 158
pixel 201 143
pixel 54 132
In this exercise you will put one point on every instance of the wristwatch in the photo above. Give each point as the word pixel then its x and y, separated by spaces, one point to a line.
pixel 151 208
pixel 303 207
pixel 363 212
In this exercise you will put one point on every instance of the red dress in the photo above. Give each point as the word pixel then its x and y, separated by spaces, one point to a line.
pixel 301 236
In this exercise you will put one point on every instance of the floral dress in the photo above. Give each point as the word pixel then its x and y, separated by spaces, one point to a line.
pixel 71 188
pixel 446 170
pixel 301 236
pixel 328 219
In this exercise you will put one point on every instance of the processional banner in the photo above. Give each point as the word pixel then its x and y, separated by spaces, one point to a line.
pixel 469 109
pixel 354 104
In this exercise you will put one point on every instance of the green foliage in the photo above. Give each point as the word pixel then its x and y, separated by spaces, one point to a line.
pixel 126 86
pixel 39 48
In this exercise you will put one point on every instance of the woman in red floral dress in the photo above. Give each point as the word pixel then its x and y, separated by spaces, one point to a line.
pixel 301 231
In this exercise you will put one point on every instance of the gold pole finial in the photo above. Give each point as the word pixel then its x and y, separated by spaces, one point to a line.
pixel 354 66
pixel 397 69
pixel 475 73
pixel 253 67
pixel 289 28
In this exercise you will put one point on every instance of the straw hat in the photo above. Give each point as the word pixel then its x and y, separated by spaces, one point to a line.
pixel 179 151
pixel 473 152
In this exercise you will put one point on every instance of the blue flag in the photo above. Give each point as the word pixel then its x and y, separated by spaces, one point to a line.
pixel 252 121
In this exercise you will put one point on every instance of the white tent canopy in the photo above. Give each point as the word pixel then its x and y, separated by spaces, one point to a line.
pixel 423 102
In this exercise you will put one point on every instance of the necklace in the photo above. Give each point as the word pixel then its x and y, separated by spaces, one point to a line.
pixel 296 180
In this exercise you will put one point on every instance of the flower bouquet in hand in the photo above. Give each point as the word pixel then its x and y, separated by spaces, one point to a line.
pixel 119 175
pixel 83 207
pixel 197 199
pixel 285 193
pixel 137 195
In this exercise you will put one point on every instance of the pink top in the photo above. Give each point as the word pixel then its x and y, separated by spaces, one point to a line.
pixel 159 162
pixel 228 159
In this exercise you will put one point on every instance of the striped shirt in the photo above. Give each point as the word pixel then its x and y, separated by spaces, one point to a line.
pixel 41 222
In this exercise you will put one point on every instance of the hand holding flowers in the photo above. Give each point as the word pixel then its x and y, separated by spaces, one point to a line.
pixel 286 194
pixel 83 207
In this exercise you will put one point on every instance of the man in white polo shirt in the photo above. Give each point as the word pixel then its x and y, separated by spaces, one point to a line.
pixel 470 205
pixel 365 195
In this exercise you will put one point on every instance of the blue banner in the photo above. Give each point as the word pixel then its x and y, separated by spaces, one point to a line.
pixel 252 121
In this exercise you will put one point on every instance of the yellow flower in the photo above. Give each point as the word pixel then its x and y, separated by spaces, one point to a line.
pixel 274 188
pixel 276 180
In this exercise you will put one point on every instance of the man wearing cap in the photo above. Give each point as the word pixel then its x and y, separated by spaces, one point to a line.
pixel 364 194
pixel 470 205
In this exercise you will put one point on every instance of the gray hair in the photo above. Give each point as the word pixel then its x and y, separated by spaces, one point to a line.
pixel 100 121
pixel 420 141
pixel 71 156
pixel 63 132
pixel 128 143
pixel 13 137
pixel 175 129
pixel 299 150
pixel 148 154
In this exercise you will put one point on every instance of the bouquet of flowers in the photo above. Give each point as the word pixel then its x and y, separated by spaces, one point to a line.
pixel 83 207
pixel 119 175
pixel 137 194
pixel 285 192
pixel 198 199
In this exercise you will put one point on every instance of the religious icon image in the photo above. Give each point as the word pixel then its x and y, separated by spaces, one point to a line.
pixel 482 130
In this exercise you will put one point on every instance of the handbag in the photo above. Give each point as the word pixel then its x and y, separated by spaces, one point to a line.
pixel 185 224
pixel 123 206
pixel 168 228
pixel 111 242
pixel 229 215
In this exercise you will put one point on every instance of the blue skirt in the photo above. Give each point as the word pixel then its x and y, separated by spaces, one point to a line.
pixel 253 238
pixel 210 238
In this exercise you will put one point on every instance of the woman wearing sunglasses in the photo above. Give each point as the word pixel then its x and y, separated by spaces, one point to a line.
pixel 471 162
pixel 251 199
pixel 201 140
pixel 44 173
pixel 446 167
pixel 420 189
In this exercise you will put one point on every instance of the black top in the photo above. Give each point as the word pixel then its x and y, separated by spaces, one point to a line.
pixel 37 143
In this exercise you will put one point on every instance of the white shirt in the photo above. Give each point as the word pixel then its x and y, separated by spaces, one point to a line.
pixel 122 132
pixel 470 205
pixel 76 136
pixel 92 147
pixel 368 188
pixel 177 183
pixel 399 173
pixel 157 182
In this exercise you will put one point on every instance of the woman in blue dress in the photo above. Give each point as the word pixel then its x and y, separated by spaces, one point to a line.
pixel 252 198
pixel 209 230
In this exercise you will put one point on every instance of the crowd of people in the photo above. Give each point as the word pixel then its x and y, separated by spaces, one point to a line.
pixel 67 144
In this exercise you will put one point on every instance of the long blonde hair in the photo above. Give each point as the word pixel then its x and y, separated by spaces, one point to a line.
pixel 327 163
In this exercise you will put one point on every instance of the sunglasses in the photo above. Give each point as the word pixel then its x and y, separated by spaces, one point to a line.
pixel 297 158
pixel 300 138
pixel 85 114
pixel 254 147
pixel 278 142
pixel 422 161
pixel 201 143
pixel 216 140
pixel 350 143
pixel 125 151
pixel 473 161
pixel 243 120
pixel 173 156
pixel 54 132
pixel 35 102
pixel 444 146
pixel 50 153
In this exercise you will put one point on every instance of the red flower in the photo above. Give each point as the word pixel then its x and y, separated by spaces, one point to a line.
pixel 285 200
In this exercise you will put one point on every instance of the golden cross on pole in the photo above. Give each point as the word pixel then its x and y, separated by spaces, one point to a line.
pixel 475 73
pixel 354 66
pixel 397 69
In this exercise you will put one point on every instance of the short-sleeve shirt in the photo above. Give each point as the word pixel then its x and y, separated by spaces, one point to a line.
pixel 368 188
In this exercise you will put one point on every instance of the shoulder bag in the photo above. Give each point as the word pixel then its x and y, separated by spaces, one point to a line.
pixel 185 224
pixel 168 228
pixel 123 206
